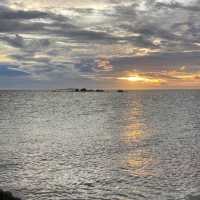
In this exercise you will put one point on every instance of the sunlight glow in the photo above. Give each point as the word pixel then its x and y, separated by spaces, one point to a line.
pixel 4 58
pixel 138 78
pixel 141 164
pixel 55 6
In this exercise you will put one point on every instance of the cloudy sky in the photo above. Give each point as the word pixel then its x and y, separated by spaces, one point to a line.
pixel 129 44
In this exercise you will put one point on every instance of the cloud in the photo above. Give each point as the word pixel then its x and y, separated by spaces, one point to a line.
pixel 15 41
pixel 10 71
pixel 178 5
pixel 93 66
pixel 6 13
pixel 99 39
pixel 157 61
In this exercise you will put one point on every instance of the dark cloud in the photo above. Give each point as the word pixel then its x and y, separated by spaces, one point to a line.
pixel 19 22
pixel 15 26
pixel 6 13
pixel 157 62
pixel 16 41
pixel 177 5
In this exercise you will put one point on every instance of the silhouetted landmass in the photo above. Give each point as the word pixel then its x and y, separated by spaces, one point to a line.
pixel 89 90
pixel 120 90
pixel 83 90
pixel 6 195
pixel 99 90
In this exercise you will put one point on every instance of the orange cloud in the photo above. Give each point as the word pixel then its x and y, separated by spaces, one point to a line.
pixel 142 78
pixel 103 64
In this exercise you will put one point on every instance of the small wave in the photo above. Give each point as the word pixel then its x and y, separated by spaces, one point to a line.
pixel 193 197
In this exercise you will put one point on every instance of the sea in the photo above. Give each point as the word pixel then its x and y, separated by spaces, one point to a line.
pixel 135 145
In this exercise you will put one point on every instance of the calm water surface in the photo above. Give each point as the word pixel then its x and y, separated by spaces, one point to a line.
pixel 135 145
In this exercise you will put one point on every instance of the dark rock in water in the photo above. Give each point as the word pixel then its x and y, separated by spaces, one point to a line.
pixel 120 90
pixel 83 90
pixel 5 195
pixel 90 90
pixel 99 90
pixel 193 197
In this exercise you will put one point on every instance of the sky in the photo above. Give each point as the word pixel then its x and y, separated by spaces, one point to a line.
pixel 109 44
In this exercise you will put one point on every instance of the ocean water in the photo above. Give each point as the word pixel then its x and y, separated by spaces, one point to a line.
pixel 122 146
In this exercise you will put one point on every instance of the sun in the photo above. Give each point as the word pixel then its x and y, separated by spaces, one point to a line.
pixel 138 78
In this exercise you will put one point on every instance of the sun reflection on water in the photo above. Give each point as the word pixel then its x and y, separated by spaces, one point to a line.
pixel 132 136
pixel 138 160
pixel 140 164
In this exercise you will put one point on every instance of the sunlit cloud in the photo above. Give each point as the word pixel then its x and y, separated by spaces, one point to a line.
pixel 143 79
pixel 5 58
pixel 103 64
pixel 184 75
pixel 50 4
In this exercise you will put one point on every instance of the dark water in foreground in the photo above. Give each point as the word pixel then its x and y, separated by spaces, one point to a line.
pixel 137 145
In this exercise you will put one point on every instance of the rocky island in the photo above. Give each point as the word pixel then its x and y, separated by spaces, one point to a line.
pixel 6 195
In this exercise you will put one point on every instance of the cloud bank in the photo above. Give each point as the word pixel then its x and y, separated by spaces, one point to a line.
pixel 48 44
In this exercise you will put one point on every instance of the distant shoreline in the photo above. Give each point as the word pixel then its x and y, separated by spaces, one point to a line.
pixel 94 90
pixel 83 90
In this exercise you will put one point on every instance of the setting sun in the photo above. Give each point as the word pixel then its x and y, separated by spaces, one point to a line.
pixel 138 78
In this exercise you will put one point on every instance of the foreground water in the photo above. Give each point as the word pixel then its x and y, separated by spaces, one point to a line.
pixel 135 145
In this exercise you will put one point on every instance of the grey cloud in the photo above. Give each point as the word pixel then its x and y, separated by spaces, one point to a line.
pixel 15 41
pixel 157 62
pixel 6 13
pixel 27 45
pixel 15 26
pixel 152 30
pixel 16 22
pixel 86 65
pixel 177 5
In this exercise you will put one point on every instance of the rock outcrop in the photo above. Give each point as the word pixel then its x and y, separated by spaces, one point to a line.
pixel 6 195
